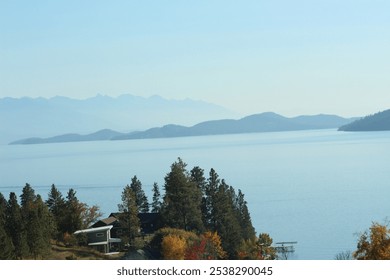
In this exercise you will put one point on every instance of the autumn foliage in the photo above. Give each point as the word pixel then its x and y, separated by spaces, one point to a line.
pixel 207 248
pixel 374 244
pixel 177 244
pixel 173 247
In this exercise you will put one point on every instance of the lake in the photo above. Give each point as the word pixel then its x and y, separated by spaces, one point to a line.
pixel 318 187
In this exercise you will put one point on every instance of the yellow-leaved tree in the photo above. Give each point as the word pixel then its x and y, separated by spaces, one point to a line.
pixel 216 243
pixel 173 247
pixel 374 244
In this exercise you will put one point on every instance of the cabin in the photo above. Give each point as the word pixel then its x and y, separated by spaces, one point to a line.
pixel 105 235
pixel 149 222
pixel 100 238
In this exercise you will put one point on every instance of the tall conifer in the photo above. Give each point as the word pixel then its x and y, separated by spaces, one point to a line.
pixel 156 203
pixel 7 248
pixel 15 227
pixel 140 197
pixel 129 214
pixel 57 207
pixel 182 200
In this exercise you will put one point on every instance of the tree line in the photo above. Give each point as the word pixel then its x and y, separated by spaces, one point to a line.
pixel 200 218
pixel 27 229
pixel 193 203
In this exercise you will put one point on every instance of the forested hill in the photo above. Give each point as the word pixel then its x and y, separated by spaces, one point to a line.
pixel 377 122
pixel 264 122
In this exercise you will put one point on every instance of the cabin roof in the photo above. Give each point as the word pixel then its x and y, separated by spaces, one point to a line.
pixel 91 230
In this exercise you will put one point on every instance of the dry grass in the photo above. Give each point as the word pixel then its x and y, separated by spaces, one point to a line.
pixel 62 252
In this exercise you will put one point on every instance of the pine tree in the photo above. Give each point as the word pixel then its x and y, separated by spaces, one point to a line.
pixel 37 220
pixel 15 227
pixel 156 203
pixel 209 200
pixel 73 212
pixel 197 176
pixel 226 221
pixel 7 248
pixel 57 207
pixel 247 229
pixel 47 227
pixel 140 197
pixel 31 220
pixel 182 200
pixel 129 214
pixel 27 197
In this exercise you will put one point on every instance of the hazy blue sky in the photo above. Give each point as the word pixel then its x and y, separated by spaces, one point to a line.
pixel 291 57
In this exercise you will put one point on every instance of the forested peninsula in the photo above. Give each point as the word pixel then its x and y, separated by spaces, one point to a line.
pixel 263 122
pixel 376 122
pixel 197 218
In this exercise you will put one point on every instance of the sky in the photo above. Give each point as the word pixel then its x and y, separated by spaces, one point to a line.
pixel 291 57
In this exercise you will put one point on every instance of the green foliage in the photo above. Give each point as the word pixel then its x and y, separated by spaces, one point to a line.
pixel 156 203
pixel 29 227
pixel 193 203
pixel 247 229
pixel 72 213
pixel 6 245
pixel 140 197
pixel 129 215
pixel 15 227
pixel 40 227
pixel 57 207
pixel 208 214
pixel 182 200
pixel 264 242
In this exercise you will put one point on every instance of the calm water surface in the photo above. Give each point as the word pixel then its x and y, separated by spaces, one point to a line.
pixel 319 188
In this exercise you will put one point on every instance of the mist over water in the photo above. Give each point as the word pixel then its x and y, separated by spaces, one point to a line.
pixel 318 187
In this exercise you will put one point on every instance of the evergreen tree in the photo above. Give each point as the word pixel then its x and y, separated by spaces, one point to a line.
pixel 27 198
pixel 129 214
pixel 57 207
pixel 247 229
pixel 156 203
pixel 35 233
pixel 15 227
pixel 31 220
pixel 226 220
pixel 140 197
pixel 197 176
pixel 73 213
pixel 182 200
pixel 7 248
pixel 47 225
pixel 209 200
pixel 37 220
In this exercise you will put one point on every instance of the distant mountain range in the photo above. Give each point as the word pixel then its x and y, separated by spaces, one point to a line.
pixel 377 122
pixel 26 117
pixel 264 122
